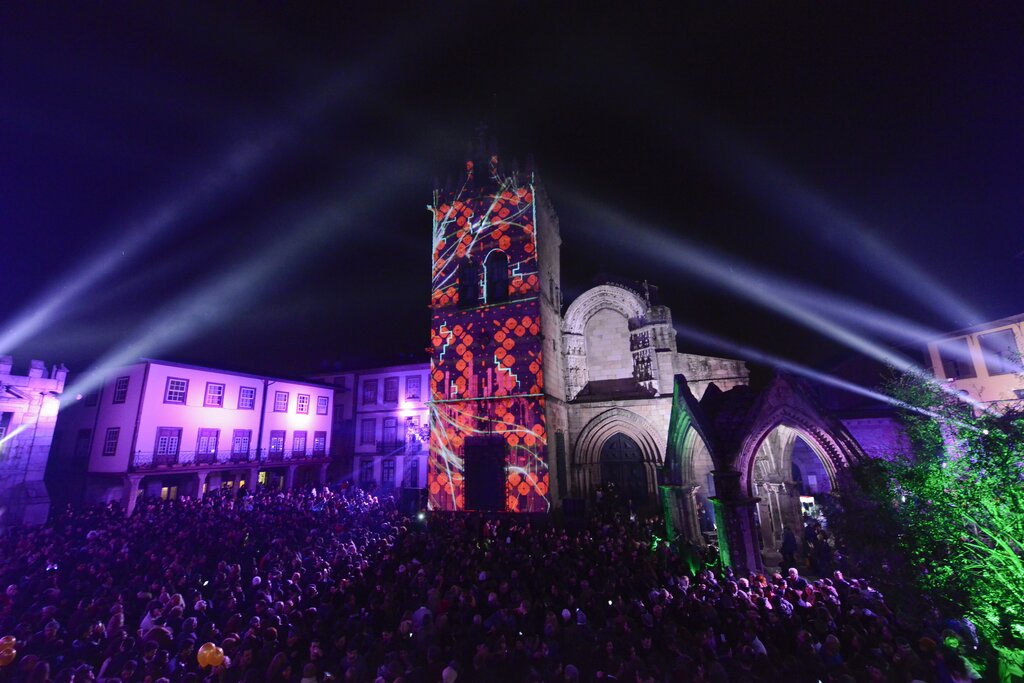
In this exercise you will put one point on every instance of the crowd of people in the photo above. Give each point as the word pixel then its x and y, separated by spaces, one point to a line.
pixel 337 585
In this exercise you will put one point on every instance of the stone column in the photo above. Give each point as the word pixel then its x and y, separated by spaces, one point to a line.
pixel 130 495
pixel 737 526
pixel 200 483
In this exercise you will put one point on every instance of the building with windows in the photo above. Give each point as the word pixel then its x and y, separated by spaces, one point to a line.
pixel 28 414
pixel 983 361
pixel 168 429
pixel 384 413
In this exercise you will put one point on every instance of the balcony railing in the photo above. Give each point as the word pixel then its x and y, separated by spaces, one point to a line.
pixel 145 460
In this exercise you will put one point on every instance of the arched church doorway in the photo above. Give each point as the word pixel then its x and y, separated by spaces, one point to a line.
pixel 792 478
pixel 622 465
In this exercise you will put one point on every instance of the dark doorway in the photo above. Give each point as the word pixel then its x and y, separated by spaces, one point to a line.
pixel 485 473
pixel 622 464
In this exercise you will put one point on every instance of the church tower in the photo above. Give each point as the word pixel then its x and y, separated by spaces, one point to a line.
pixel 496 378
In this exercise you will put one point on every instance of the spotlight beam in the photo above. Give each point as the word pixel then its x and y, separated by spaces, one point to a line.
pixel 759 356
pixel 738 278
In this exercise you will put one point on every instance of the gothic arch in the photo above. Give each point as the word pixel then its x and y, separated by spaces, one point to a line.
pixel 827 438
pixel 604 426
pixel 574 327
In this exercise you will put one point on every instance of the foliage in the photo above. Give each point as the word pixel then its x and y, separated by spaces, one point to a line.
pixel 957 501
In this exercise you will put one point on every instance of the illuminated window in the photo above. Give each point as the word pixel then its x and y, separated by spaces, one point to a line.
pixel 496 274
pixel 277 441
pixel 368 431
pixel 247 398
pixel 280 401
pixel 207 444
pixel 110 442
pixel 299 443
pixel 1002 356
pixel 240 442
pixel 469 284
pixel 169 492
pixel 391 390
pixel 322 405
pixel 120 390
pixel 319 443
pixel 369 391
pixel 176 390
pixel 168 439
pixel 956 359
pixel 387 472
pixel 214 395
pixel 412 388
pixel 302 404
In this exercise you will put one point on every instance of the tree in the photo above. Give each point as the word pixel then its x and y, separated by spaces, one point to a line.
pixel 957 503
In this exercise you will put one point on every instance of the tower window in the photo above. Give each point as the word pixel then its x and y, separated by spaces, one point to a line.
pixel 469 284
pixel 497 277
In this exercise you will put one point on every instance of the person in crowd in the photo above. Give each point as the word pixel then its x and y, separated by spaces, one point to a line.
pixel 335 585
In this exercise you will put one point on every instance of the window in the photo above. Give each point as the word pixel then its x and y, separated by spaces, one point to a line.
pixel 412 388
pixel 207 443
pixel 387 473
pixel 956 359
pixel 214 395
pixel 369 391
pixel 176 391
pixel 1000 350
pixel 366 471
pixel 168 492
pixel 240 442
pixel 368 431
pixel 110 442
pixel 246 398
pixel 280 401
pixel 299 443
pixel 167 441
pixel 411 478
pixel 319 443
pixel 277 441
pixel 469 284
pixel 302 404
pixel 322 405
pixel 496 277
pixel 390 432
pixel 120 389
pixel 391 390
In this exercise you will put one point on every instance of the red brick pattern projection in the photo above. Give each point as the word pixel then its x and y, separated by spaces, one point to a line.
pixel 486 372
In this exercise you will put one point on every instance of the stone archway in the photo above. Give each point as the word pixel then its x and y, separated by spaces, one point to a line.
pixel 623 466
pixel 607 298
pixel 613 423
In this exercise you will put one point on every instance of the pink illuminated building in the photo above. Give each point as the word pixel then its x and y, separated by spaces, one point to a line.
pixel 166 429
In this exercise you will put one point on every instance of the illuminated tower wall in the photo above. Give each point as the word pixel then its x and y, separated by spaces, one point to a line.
pixel 496 374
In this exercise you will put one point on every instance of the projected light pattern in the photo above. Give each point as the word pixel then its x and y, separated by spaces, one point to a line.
pixel 486 374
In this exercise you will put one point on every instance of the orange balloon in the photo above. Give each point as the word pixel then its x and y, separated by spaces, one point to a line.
pixel 215 658
pixel 203 655
pixel 7 642
pixel 7 656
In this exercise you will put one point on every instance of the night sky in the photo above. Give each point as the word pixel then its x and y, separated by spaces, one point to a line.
pixel 254 181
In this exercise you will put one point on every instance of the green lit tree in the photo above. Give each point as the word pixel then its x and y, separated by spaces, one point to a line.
pixel 957 504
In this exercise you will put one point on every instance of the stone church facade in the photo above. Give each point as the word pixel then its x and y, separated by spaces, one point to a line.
pixel 533 404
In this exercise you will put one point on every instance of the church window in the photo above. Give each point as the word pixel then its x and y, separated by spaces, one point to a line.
pixel 496 269
pixel 469 284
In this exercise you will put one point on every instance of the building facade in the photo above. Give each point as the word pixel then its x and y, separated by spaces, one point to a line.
pixel 28 415
pixel 167 429
pixel 384 415
pixel 983 362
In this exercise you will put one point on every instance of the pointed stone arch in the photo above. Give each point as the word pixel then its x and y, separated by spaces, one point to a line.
pixel 596 433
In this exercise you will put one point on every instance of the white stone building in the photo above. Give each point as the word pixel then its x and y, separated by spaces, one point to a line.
pixel 28 413
pixel 168 429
